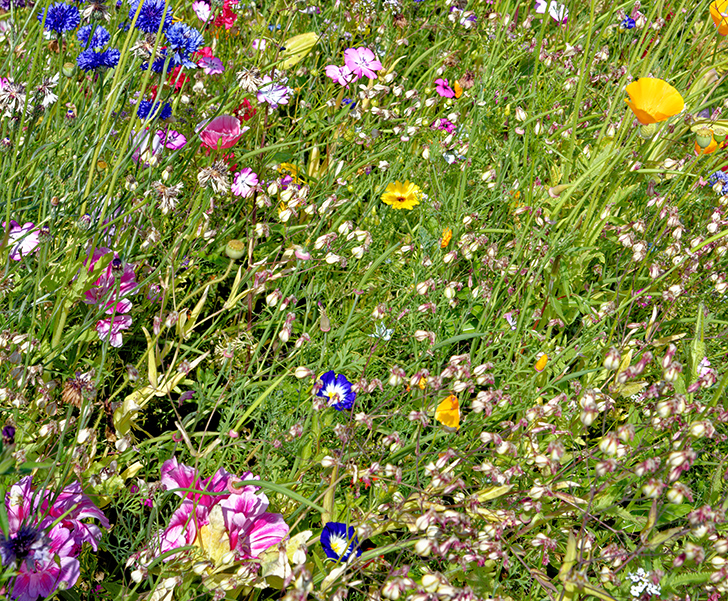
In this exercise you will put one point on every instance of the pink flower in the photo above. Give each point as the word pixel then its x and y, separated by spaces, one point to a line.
pixel 106 289
pixel 443 89
pixel 259 44
pixel 273 93
pixel 362 62
pixel 244 183
pixel 111 327
pixel 202 10
pixel 172 139
pixel 211 66
pixel 227 18
pixel 341 75
pixel 230 513
pixel 224 130
pixel 23 239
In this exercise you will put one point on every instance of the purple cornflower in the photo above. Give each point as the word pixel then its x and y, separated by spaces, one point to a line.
pixel 93 37
pixel 90 60
pixel 149 110
pixel 183 41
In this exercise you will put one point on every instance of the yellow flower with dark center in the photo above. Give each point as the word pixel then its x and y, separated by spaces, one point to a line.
pixel 653 100
pixel 402 196
pixel 719 12
pixel 448 412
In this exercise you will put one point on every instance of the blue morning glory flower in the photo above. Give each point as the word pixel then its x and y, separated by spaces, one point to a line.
pixel 184 40
pixel 339 542
pixel 61 17
pixel 98 39
pixel 627 23
pixel 149 110
pixel 90 60
pixel 150 15
pixel 337 390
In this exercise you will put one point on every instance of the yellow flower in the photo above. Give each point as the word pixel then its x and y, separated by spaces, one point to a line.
pixel 290 169
pixel 541 362
pixel 402 196
pixel 446 237
pixel 458 89
pixel 448 412
pixel 719 12
pixel 653 100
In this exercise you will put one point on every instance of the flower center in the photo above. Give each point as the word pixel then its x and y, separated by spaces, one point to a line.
pixel 19 547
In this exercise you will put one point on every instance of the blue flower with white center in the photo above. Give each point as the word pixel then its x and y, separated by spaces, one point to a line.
pixel 93 37
pixel 337 391
pixel 183 41
pixel 60 18
pixel 150 15
pixel 339 541
pixel 627 23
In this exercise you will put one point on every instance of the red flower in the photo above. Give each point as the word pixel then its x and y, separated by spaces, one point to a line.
pixel 245 111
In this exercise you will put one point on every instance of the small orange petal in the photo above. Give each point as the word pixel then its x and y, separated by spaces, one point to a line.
pixel 541 363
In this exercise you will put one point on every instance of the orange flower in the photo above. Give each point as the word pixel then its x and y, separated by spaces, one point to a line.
pixel 458 89
pixel 712 147
pixel 653 100
pixel 541 362
pixel 446 237
pixel 448 412
pixel 719 12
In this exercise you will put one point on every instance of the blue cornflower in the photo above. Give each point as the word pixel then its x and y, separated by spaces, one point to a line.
pixel 339 542
pixel 721 178
pixel 61 17
pixel 184 40
pixel 337 390
pixel 150 15
pixel 627 23
pixel 149 110
pixel 158 64
pixel 90 60
pixel 99 39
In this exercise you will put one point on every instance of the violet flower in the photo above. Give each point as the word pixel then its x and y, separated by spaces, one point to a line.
pixel 341 75
pixel 273 93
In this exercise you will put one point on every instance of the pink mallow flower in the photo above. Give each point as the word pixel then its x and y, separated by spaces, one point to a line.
pixel 106 289
pixel 224 130
pixel 42 553
pixel 362 62
pixel 341 75
pixel 111 327
pixel 245 182
pixel 23 239
pixel 218 515
pixel 444 89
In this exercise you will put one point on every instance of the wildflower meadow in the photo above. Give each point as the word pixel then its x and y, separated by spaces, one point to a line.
pixel 418 300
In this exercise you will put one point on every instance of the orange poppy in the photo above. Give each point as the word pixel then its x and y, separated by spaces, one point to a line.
pixel 719 12
pixel 458 89
pixel 541 362
pixel 446 237
pixel 653 100
pixel 448 412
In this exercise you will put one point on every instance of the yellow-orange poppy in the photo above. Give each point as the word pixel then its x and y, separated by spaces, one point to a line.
pixel 712 147
pixel 719 12
pixel 653 100
pixel 446 237
pixel 541 362
pixel 448 412
pixel 458 89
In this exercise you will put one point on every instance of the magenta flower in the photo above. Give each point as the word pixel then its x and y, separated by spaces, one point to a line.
pixel 111 327
pixel 443 89
pixel 172 139
pixel 245 182
pixel 211 65
pixel 273 93
pixel 224 130
pixel 341 75
pixel 218 509
pixel 362 62
pixel 106 289
pixel 23 240
pixel 43 555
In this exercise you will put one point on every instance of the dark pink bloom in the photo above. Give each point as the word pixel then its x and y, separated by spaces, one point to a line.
pixel 23 239
pixel 341 75
pixel 443 89
pixel 224 130
pixel 111 327
pixel 172 139
pixel 362 62
pixel 105 287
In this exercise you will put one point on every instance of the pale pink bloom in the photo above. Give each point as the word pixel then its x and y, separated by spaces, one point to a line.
pixel 273 93
pixel 244 183
pixel 23 240
pixel 341 75
pixel 172 139
pixel 250 529
pixel 362 62
pixel 224 130
pixel 111 327
pixel 211 65
pixel 259 44
pixel 202 10
pixel 145 146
